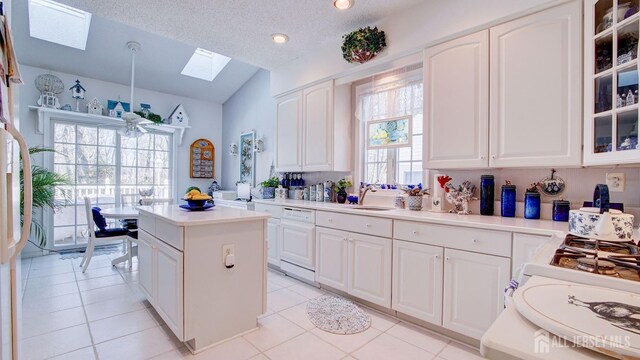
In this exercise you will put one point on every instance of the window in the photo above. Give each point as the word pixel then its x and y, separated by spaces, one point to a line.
pixel 390 99
pixel 205 64
pixel 59 23
pixel 102 165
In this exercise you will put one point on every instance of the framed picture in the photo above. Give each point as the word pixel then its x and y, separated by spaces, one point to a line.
pixel 247 159
pixel 388 133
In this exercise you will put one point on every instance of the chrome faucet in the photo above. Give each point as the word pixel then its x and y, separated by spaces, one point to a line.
pixel 363 193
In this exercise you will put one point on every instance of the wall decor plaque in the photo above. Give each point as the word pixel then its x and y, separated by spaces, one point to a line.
pixel 202 156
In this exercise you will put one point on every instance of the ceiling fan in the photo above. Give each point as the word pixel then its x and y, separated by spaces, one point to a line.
pixel 133 123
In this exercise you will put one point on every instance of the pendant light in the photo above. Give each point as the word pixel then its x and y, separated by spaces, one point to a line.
pixel 132 120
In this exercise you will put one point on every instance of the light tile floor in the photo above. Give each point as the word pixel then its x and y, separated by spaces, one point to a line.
pixel 102 315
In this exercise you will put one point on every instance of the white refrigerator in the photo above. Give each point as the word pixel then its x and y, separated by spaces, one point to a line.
pixel 13 237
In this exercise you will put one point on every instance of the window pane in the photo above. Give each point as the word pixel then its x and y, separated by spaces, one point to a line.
pixel 417 123
pixel 416 144
pixel 145 141
pixel 128 176
pixel 106 156
pixel 377 155
pixel 376 173
pixel 128 142
pixel 66 170
pixel 87 135
pixel 87 154
pixel 63 235
pixel 65 153
pixel 404 173
pixel 416 172
pixel 87 174
pixel 81 215
pixel 162 177
pixel 162 159
pixel 65 216
pixel 128 157
pixel 145 176
pixel 162 142
pixel 106 175
pixel 64 133
pixel 145 158
pixel 107 137
pixel 404 154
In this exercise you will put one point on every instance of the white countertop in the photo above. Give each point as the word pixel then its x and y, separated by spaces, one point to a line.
pixel 538 227
pixel 218 215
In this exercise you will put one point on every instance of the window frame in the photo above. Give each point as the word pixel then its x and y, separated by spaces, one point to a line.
pixel 394 80
pixel 103 122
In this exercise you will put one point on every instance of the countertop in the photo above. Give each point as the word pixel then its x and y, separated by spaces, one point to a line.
pixel 173 214
pixel 537 227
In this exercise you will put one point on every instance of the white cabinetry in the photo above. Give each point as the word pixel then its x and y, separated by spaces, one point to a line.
pixel 473 285
pixel 332 258
pixel 289 132
pixel 313 129
pixel 297 243
pixel 417 280
pixel 146 265
pixel 370 268
pixel 456 103
pixel 535 68
pixel 273 236
pixel 169 286
pixel 524 248
pixel 533 117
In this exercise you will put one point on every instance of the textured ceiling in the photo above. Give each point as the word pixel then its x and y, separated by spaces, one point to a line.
pixel 241 29
pixel 158 64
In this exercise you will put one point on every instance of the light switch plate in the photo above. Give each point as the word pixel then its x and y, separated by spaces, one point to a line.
pixel 227 250
pixel 615 182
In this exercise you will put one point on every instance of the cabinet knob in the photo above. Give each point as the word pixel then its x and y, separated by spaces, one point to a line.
pixel 367 225
pixel 475 241
pixel 415 232
pixel 329 219
pixel 344 239
pixel 447 258
pixel 482 157
pixel 493 156
pixel 437 256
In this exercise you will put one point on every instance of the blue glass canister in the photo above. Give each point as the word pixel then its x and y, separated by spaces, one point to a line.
pixel 532 205
pixel 561 210
pixel 508 200
pixel 487 194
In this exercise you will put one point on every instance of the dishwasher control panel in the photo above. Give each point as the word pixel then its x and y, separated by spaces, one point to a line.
pixel 302 215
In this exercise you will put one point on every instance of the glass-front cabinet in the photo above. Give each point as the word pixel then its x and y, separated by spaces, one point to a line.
pixel 611 82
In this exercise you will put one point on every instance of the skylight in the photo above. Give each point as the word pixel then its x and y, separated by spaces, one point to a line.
pixel 205 64
pixel 58 23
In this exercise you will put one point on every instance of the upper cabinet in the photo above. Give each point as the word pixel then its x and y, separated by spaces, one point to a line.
pixel 508 96
pixel 535 63
pixel 314 129
pixel 611 82
pixel 456 103
pixel 289 132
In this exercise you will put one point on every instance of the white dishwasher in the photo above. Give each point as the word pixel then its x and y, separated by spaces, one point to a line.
pixel 298 242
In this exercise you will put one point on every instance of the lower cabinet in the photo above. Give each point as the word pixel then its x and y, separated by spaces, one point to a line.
pixel 473 291
pixel 273 235
pixel 417 280
pixel 357 264
pixel 297 243
pixel 161 279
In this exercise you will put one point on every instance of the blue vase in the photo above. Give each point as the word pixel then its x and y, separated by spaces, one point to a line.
pixel 487 194
pixel 508 201
pixel 561 210
pixel 532 205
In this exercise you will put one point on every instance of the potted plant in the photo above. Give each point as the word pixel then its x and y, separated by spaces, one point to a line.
pixel 363 44
pixel 44 194
pixel 415 192
pixel 341 190
pixel 269 187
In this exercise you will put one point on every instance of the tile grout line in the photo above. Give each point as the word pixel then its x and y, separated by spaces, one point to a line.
pixel 84 310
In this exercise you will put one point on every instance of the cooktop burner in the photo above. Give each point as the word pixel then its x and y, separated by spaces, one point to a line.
pixel 611 259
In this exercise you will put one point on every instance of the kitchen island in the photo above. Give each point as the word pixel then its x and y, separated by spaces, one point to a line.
pixel 204 272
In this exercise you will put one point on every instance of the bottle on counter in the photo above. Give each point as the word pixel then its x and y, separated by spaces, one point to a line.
pixel 301 180
pixel 487 194
pixel 561 210
pixel 508 200
pixel 532 205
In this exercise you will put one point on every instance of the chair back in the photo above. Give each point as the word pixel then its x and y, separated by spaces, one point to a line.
pixel 90 222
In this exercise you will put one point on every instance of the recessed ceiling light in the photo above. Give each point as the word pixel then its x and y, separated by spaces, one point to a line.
pixel 279 38
pixel 205 64
pixel 342 4
pixel 58 23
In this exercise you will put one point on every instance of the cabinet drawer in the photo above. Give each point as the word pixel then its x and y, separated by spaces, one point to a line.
pixel 147 223
pixel 170 234
pixel 470 239
pixel 355 223
pixel 274 210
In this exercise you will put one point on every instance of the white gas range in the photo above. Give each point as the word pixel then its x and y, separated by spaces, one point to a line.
pixel 565 261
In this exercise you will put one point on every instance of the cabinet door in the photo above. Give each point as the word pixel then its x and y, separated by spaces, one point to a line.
pixel 297 243
pixel 318 127
pixel 524 248
pixel 146 265
pixel 370 268
pixel 456 103
pixel 273 231
pixel 417 280
pixel 169 287
pixel 332 258
pixel 535 68
pixel 473 291
pixel 289 132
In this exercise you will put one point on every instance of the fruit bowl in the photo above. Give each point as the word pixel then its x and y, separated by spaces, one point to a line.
pixel 196 203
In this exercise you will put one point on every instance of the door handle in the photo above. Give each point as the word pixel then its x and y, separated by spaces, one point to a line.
pixel 27 188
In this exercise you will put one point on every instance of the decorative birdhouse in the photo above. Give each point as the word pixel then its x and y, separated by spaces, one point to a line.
pixel 77 91
pixel 116 108
pixel 95 107
pixel 145 109
pixel 179 116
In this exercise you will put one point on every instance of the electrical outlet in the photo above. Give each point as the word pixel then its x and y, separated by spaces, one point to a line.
pixel 615 182
pixel 228 249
